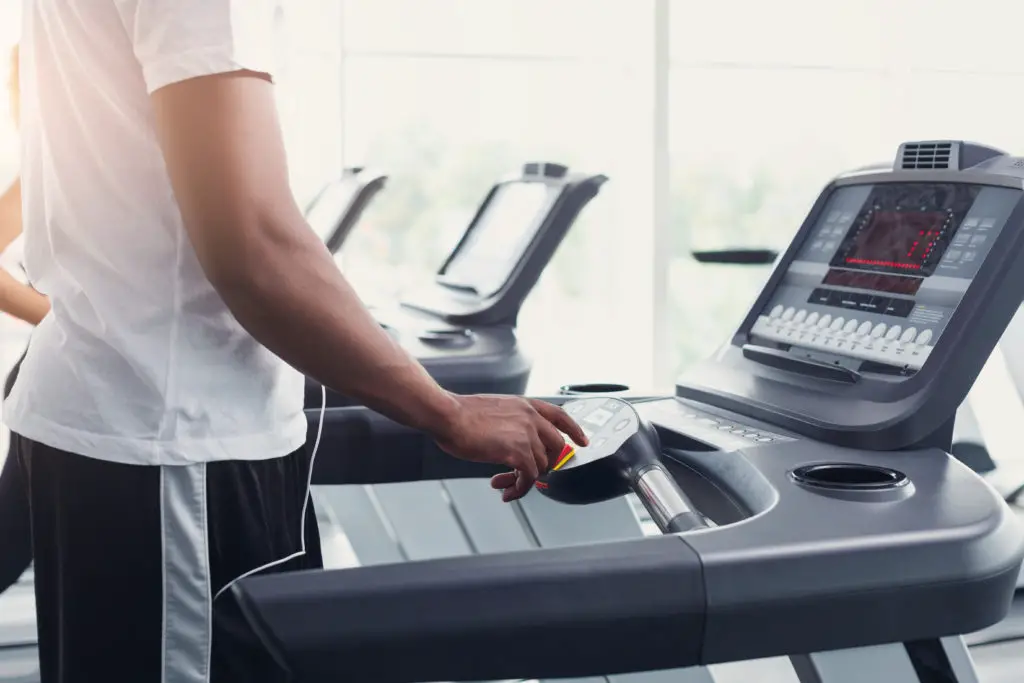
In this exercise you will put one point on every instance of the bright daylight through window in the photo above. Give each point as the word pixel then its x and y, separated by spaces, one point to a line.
pixel 461 92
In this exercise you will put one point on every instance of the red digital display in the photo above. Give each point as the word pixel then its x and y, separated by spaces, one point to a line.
pixel 879 282
pixel 900 240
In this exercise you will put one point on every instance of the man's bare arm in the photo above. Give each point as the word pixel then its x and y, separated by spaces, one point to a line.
pixel 224 151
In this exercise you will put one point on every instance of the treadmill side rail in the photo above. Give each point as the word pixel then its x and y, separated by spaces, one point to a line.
pixel 549 613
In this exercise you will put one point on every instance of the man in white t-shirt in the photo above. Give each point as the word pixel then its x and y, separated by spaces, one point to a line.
pixel 158 415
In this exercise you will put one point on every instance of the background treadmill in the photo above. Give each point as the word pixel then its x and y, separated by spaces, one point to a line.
pixel 843 529
pixel 336 209
pixel 462 327
pixel 333 214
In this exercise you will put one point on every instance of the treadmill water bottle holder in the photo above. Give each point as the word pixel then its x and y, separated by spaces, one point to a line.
pixel 852 481
pixel 591 389
pixel 455 338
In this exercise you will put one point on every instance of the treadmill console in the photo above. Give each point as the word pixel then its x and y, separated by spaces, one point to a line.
pixel 879 315
pixel 331 203
pixel 607 422
pixel 511 239
pixel 490 251
pixel 881 272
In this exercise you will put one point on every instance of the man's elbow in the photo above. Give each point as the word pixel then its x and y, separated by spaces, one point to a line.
pixel 244 262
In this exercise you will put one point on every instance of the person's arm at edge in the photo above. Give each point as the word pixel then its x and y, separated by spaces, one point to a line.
pixel 225 155
pixel 10 212
pixel 21 301
pixel 17 299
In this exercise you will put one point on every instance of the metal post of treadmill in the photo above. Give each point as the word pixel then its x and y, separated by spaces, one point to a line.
pixel 888 663
pixel 696 674
pixel 960 661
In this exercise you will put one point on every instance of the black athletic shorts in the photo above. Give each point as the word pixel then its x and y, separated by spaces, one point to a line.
pixel 133 563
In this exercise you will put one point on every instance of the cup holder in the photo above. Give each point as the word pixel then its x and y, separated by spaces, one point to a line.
pixel 849 477
pixel 592 389
pixel 453 337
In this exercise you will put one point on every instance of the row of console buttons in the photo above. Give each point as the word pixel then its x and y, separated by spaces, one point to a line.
pixel 724 426
pixel 886 348
pixel 801 319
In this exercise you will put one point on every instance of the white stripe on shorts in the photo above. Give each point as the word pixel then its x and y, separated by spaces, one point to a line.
pixel 187 632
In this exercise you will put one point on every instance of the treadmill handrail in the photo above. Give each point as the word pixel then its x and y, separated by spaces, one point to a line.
pixel 501 616
pixel 607 608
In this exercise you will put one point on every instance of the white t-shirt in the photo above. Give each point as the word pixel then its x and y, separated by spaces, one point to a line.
pixel 140 361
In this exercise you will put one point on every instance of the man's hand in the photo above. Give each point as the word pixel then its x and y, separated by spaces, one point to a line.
pixel 522 433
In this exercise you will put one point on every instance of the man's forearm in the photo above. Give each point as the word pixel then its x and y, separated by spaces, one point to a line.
pixel 290 295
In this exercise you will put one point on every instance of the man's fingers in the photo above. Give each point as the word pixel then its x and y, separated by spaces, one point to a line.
pixel 513 485
pixel 540 453
pixel 503 481
pixel 518 486
pixel 521 487
pixel 510 494
pixel 525 461
pixel 560 419
pixel 552 439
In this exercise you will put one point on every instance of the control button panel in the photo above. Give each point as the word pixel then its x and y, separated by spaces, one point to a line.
pixel 607 422
pixel 892 345
pixel 715 429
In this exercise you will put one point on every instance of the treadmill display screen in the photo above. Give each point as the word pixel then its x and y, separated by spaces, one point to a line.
pixel 900 240
pixel 905 228
pixel 325 215
pixel 497 241
pixel 881 271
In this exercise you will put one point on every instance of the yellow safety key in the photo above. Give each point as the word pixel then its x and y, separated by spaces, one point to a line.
pixel 567 453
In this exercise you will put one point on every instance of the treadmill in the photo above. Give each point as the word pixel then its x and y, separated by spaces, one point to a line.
pixel 462 327
pixel 333 214
pixel 835 529
pixel 336 209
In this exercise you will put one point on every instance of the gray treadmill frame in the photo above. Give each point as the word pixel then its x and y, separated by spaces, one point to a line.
pixel 818 663
pixel 826 666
